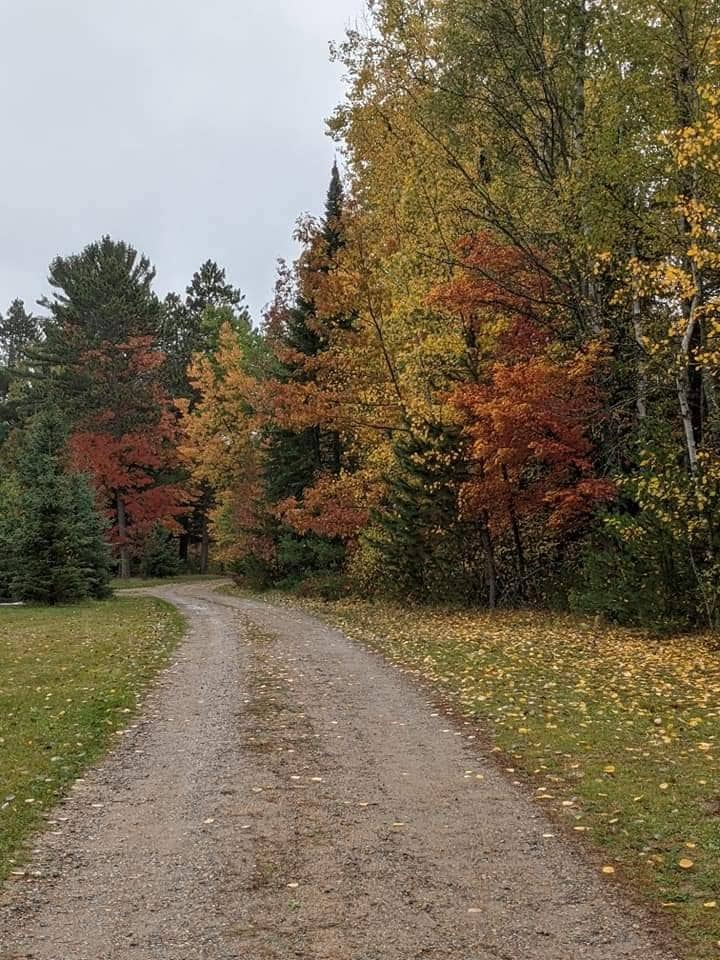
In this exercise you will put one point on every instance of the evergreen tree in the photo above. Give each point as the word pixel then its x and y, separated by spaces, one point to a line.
pixel 101 365
pixel 427 550
pixel 332 229
pixel 159 558
pixel 58 552
pixel 296 458
pixel 102 300
pixel 18 331
pixel 190 325
pixel 209 287
pixel 88 543
pixel 9 523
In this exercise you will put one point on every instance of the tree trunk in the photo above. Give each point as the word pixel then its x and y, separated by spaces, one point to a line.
pixel 517 538
pixel 205 547
pixel 183 546
pixel 688 381
pixel 490 568
pixel 336 453
pixel 683 391
pixel 639 329
pixel 122 537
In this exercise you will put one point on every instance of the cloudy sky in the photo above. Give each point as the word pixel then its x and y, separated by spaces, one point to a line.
pixel 190 128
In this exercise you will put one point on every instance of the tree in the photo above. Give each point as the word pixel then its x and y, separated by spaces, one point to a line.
pixel 101 364
pixel 191 327
pixel 58 551
pixel 18 331
pixel 304 447
pixel 159 556
pixel 426 549
pixel 222 446
pixel 9 526
pixel 528 428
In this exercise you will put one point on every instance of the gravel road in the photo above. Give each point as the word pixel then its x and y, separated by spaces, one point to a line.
pixel 287 794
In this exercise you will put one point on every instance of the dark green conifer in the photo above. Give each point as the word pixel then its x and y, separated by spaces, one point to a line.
pixel 58 552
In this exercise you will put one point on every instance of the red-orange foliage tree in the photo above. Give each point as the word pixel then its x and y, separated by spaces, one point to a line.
pixel 126 441
pixel 102 367
pixel 528 408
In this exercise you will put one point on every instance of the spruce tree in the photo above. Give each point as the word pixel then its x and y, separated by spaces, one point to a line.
pixel 19 334
pixel 296 458
pixel 59 554
pixel 418 532
pixel 9 524
pixel 332 229
pixel 88 542
pixel 159 558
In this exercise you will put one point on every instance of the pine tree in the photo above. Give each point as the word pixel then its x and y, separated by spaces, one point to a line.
pixel 297 458
pixel 190 325
pixel 209 287
pixel 18 331
pixel 101 364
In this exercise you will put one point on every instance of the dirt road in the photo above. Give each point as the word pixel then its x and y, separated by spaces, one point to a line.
pixel 286 794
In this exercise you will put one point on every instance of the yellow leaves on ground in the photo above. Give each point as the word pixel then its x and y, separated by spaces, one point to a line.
pixel 617 729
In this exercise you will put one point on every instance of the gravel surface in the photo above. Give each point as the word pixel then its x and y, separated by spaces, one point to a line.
pixel 287 794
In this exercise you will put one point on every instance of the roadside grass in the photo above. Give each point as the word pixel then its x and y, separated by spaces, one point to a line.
pixel 70 678
pixel 617 734
pixel 134 582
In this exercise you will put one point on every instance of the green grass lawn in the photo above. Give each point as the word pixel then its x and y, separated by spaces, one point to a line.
pixel 615 733
pixel 135 582
pixel 70 678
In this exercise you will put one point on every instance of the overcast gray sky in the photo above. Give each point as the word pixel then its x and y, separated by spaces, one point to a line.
pixel 190 128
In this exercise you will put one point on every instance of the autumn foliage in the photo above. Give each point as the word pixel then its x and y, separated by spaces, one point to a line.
pixel 529 429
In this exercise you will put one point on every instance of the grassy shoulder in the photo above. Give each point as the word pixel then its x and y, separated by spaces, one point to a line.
pixel 70 677
pixel 134 582
pixel 616 733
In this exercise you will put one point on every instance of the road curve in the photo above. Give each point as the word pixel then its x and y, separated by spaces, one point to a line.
pixel 286 794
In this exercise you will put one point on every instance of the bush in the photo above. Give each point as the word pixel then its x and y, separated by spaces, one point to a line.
pixel 301 556
pixel 252 573
pixel 329 586
pixel 635 573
